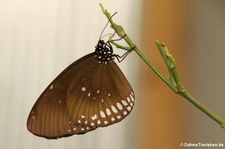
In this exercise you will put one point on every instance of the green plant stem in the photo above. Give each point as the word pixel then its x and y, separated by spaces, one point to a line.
pixel 202 107
pixel 120 32
pixel 154 69
pixel 173 81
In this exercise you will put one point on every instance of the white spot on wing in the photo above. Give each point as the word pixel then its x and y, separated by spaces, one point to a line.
pixel 99 122
pixel 108 112
pixel 109 94
pixel 114 109
pixel 124 112
pixel 105 122
pixel 83 88
pixel 119 106
pixel 51 87
pixel 132 98
pixel 124 103
pixel 112 119
pixel 128 99
pixel 89 94
pixel 94 117
pixel 98 91
pixel 82 116
pixel 118 116
pixel 102 114
pixel 132 104
pixel 128 108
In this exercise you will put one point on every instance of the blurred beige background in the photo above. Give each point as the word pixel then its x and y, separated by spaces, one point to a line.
pixel 38 39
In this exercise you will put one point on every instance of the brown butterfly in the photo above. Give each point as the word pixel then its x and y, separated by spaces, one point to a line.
pixel 92 92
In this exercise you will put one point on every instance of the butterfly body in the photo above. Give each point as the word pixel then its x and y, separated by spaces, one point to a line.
pixel 92 92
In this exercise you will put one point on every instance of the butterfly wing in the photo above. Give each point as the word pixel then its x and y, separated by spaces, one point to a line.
pixel 48 117
pixel 120 99
pixel 86 95
pixel 103 97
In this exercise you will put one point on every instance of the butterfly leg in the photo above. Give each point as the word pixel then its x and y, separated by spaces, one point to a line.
pixel 121 58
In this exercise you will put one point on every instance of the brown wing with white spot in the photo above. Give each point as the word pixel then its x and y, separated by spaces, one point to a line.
pixel 120 95
pixel 103 97
pixel 48 117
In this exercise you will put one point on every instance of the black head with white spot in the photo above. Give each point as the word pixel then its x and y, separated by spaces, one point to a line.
pixel 104 51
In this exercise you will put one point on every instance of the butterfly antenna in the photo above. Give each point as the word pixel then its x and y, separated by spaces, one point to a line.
pixel 109 34
pixel 106 25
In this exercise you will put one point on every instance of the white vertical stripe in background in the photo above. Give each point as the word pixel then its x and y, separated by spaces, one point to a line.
pixel 38 39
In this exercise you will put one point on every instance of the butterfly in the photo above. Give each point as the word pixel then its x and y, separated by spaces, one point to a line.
pixel 92 92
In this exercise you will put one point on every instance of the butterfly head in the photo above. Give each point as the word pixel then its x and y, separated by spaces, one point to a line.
pixel 104 52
